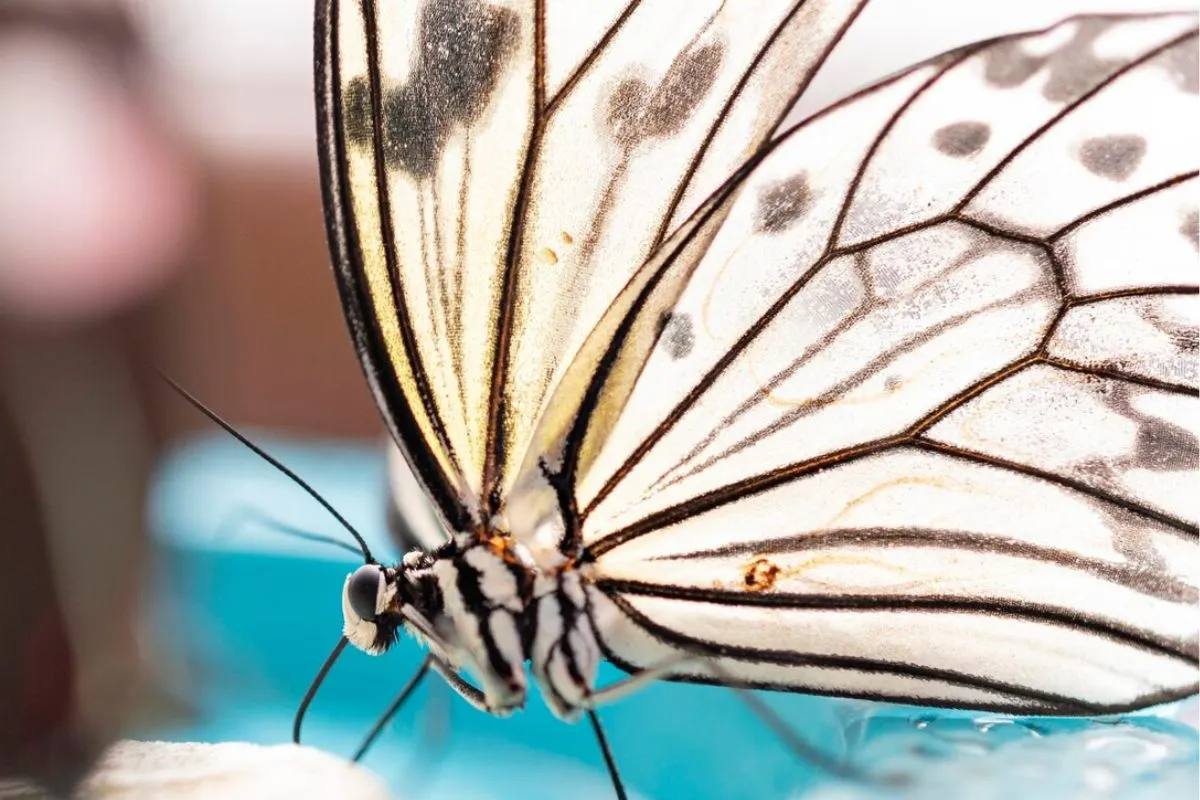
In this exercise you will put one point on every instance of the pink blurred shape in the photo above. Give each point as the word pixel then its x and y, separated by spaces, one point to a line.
pixel 96 205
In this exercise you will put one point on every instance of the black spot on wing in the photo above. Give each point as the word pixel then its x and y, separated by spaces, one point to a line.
pixel 414 130
pixel 677 334
pixel 783 203
pixel 464 47
pixel 356 112
pixel 1113 157
pixel 464 44
pixel 1073 68
pixel 962 139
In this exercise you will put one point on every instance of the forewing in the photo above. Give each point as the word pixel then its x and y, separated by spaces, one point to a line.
pixel 425 111
pixel 496 171
pixel 922 423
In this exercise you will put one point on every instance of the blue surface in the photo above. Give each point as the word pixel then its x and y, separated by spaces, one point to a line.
pixel 251 615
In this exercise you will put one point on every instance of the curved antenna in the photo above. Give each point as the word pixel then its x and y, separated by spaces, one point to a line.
pixel 298 720
pixel 264 455
pixel 269 522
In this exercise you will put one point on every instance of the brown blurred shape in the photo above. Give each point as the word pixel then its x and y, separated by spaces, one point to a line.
pixel 75 461
pixel 255 329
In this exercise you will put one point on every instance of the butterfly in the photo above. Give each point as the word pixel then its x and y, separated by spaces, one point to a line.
pixel 897 404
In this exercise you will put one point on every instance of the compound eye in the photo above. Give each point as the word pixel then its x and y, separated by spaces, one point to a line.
pixel 362 590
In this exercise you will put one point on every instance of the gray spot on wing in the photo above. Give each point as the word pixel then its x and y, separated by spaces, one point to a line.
pixel 781 204
pixel 1073 69
pixel 635 112
pixel 677 334
pixel 1131 538
pixel 962 139
pixel 1190 228
pixel 1167 447
pixel 464 45
pixel 1184 336
pixel 1113 157
pixel 626 105
pixel 1007 65
pixel 1182 63
pixel 1160 446
pixel 689 79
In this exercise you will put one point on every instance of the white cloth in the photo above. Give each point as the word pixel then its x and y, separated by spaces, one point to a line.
pixel 230 771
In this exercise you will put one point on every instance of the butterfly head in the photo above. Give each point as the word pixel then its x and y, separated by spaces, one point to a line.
pixel 374 598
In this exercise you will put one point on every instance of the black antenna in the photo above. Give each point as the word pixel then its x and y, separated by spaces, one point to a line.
pixel 298 720
pixel 254 515
pixel 212 415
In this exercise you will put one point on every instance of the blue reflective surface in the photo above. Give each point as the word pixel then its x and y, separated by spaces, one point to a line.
pixel 250 615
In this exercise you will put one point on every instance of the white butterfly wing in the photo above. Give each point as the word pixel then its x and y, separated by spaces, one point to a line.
pixel 412 521
pixel 496 171
pixel 920 423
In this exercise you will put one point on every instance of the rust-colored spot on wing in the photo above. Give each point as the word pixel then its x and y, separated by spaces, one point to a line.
pixel 549 256
pixel 567 238
pixel 760 575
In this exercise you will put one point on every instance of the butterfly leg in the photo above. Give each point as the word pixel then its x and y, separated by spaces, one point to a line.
pixel 616 691
pixel 621 688
pixel 394 708
pixel 609 762
pixel 803 749
pixel 440 665
pixel 465 689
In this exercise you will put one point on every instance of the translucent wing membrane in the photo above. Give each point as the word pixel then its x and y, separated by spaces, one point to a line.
pixel 412 522
pixel 919 421
pixel 495 172
pixel 915 574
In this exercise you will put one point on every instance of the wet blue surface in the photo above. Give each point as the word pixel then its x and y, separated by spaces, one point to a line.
pixel 250 615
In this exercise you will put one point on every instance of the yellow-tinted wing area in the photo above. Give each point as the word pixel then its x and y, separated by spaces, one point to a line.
pixel 496 172
pixel 428 110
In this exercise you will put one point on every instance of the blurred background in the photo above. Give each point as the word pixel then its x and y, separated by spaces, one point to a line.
pixel 159 203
